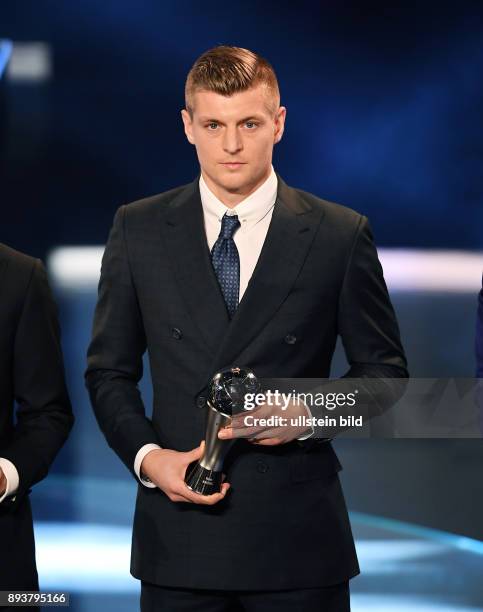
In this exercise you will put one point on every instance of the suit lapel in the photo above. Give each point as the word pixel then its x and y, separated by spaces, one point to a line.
pixel 292 229
pixel 291 232
pixel 185 236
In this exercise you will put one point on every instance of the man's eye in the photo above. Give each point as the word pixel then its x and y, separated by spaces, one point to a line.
pixel 212 125
pixel 250 125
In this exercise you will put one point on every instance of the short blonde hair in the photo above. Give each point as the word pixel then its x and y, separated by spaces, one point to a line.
pixel 227 70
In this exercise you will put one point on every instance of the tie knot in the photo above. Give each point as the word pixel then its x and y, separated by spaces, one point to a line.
pixel 229 224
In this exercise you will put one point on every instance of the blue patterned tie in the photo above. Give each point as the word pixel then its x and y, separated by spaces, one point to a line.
pixel 226 262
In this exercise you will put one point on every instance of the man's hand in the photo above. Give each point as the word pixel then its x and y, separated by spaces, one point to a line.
pixel 167 469
pixel 283 431
pixel 3 482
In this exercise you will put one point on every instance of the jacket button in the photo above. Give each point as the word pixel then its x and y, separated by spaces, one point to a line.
pixel 176 333
pixel 262 467
pixel 201 401
pixel 290 339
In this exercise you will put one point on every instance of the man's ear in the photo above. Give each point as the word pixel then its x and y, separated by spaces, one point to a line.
pixel 279 124
pixel 188 125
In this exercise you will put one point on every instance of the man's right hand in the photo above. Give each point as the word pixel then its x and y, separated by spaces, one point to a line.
pixel 3 482
pixel 167 469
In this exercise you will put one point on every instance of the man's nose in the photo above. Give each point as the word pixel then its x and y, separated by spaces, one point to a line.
pixel 232 140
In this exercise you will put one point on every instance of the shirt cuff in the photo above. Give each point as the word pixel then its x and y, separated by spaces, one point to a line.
pixel 312 431
pixel 12 477
pixel 142 452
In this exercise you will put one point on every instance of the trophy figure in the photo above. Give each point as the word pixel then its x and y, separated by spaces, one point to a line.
pixel 226 397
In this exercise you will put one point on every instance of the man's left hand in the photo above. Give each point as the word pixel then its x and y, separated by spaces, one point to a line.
pixel 250 425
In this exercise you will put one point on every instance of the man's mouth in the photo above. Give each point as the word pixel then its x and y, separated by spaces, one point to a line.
pixel 233 165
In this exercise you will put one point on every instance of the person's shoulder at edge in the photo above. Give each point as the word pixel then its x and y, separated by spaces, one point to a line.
pixel 18 258
pixel 154 203
pixel 338 214
pixel 326 205
pixel 17 270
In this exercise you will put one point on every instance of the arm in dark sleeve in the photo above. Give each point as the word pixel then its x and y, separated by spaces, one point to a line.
pixel 370 335
pixel 367 322
pixel 44 415
pixel 114 360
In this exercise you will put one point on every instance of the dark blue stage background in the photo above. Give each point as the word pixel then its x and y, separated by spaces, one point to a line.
pixel 384 111
pixel 385 115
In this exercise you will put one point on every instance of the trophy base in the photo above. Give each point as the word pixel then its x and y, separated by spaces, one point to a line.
pixel 203 481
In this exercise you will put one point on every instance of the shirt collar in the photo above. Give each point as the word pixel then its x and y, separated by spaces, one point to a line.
pixel 250 210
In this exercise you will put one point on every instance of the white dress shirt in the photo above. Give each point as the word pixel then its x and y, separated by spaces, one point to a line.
pixel 254 213
pixel 11 475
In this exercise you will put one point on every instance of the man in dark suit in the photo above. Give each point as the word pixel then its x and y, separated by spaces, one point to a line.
pixel 31 374
pixel 235 268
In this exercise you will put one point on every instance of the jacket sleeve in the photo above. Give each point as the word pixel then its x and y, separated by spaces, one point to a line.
pixel 114 359
pixel 366 319
pixel 370 335
pixel 44 414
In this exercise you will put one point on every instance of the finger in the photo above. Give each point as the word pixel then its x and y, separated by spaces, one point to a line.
pixel 228 433
pixel 241 423
pixel 262 412
pixel 195 453
pixel 268 432
pixel 224 488
pixel 179 498
pixel 267 441
pixel 183 494
pixel 206 500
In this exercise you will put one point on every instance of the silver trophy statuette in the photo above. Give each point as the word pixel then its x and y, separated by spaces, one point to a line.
pixel 226 397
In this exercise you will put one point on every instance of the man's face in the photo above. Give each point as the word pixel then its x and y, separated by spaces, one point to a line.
pixel 234 138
